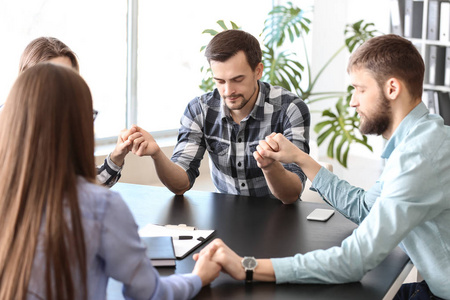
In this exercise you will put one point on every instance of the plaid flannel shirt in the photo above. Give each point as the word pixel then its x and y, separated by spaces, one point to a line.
pixel 108 173
pixel 208 125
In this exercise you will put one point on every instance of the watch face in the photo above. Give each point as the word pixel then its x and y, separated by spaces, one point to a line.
pixel 249 262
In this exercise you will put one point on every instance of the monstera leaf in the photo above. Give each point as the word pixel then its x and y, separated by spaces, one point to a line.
pixel 282 21
pixel 357 33
pixel 282 69
pixel 341 129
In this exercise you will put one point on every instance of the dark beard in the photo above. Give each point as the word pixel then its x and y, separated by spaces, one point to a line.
pixel 378 123
pixel 245 101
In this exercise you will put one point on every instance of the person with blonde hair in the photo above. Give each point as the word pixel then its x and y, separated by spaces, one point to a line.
pixel 50 49
pixel 61 235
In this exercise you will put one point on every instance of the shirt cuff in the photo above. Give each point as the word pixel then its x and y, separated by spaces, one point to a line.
pixel 322 179
pixel 196 281
pixel 112 165
pixel 284 269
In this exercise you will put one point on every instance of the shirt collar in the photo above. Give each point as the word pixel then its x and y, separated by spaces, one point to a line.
pixel 403 129
pixel 257 111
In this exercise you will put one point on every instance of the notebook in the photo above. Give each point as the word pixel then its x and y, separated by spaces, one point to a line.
pixel 185 239
pixel 160 250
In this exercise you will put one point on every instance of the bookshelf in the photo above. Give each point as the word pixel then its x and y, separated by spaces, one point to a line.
pixel 426 23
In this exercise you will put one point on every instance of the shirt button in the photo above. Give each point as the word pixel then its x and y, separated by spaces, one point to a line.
pixel 239 140
pixel 239 164
pixel 242 184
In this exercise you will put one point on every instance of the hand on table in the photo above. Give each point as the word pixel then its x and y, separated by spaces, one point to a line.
pixel 206 268
pixel 224 256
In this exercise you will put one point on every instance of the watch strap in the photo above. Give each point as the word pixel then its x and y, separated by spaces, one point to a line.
pixel 248 275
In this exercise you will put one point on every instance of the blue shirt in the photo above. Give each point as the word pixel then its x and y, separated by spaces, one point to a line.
pixel 114 249
pixel 207 125
pixel 408 206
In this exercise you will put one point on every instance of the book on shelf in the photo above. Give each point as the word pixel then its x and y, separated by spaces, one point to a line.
pixel 447 67
pixel 160 250
pixel 444 106
pixel 434 14
pixel 431 100
pixel 413 18
pixel 444 22
pixel 397 10
pixel 438 103
pixel 436 65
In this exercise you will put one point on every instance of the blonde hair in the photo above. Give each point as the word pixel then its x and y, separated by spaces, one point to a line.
pixel 46 143
pixel 43 49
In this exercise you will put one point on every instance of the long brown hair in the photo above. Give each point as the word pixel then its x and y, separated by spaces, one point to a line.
pixel 43 49
pixel 46 143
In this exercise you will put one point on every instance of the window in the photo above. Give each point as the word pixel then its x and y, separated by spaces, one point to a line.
pixel 94 30
pixel 169 58
pixel 168 61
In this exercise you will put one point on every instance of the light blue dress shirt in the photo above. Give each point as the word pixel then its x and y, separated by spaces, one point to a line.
pixel 114 249
pixel 408 206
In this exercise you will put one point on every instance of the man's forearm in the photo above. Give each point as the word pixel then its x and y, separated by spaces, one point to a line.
pixel 264 271
pixel 170 174
pixel 283 184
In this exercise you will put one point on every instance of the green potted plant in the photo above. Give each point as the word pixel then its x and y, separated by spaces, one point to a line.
pixel 287 24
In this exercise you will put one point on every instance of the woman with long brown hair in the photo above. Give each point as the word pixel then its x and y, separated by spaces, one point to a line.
pixel 61 235
pixel 50 49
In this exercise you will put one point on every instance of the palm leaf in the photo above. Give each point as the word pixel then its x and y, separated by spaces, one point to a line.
pixel 357 33
pixel 282 21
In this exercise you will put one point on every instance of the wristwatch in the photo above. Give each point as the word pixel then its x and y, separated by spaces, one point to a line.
pixel 249 263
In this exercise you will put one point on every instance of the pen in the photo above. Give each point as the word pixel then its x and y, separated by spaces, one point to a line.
pixel 183 237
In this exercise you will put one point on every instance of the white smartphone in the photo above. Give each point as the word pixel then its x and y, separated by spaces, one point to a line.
pixel 320 214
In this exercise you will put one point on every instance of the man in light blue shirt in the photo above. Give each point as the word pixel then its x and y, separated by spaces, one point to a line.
pixel 408 206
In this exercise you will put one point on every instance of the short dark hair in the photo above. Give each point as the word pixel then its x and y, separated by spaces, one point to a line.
pixel 388 56
pixel 229 42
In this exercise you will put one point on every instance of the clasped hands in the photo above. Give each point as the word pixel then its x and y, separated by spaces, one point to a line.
pixel 225 258
pixel 218 253
pixel 275 147
pixel 135 140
